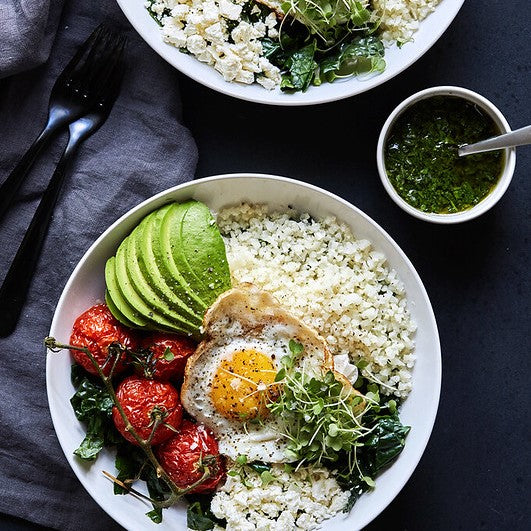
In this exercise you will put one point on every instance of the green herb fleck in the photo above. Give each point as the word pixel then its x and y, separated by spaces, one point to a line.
pixel 168 354
pixel 241 460
pixel 266 477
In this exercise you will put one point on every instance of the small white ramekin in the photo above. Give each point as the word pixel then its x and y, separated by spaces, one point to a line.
pixel 491 199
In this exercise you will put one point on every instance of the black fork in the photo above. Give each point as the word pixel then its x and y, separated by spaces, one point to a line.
pixel 72 96
pixel 104 75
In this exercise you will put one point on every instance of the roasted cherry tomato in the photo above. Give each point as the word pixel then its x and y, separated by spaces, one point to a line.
pixel 97 329
pixel 163 356
pixel 185 455
pixel 143 400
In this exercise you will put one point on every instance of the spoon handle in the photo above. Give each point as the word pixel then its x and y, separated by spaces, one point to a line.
pixel 519 137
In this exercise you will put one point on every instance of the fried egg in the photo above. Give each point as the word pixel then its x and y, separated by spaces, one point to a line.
pixel 230 378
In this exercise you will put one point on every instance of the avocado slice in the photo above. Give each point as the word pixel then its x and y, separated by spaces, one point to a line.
pixel 205 249
pixel 169 283
pixel 125 311
pixel 169 270
pixel 129 293
pixel 191 243
pixel 114 310
pixel 180 314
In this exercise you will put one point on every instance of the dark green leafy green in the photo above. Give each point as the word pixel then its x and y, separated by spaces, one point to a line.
pixel 154 15
pixel 364 55
pixel 155 515
pixel 92 404
pixel 253 12
pixel 94 440
pixel 196 519
pixel 199 516
pixel 91 399
pixel 271 48
pixel 385 442
pixel 260 467
pixel 132 465
pixel 128 462
pixel 158 490
pixel 300 67
pixel 302 61
pixel 375 451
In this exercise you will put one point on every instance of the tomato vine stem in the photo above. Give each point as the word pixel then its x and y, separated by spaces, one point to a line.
pixel 176 492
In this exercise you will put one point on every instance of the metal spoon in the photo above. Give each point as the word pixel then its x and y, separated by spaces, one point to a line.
pixel 519 137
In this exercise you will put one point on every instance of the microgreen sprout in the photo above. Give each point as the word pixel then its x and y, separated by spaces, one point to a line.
pixel 331 20
pixel 330 423
pixel 321 418
pixel 245 471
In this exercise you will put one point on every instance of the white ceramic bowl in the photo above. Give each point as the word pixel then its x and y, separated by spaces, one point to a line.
pixel 397 60
pixel 491 199
pixel 86 287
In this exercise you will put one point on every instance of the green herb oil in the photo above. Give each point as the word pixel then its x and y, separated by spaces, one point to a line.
pixel 421 157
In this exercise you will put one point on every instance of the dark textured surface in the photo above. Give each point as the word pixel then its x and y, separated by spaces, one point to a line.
pixel 475 473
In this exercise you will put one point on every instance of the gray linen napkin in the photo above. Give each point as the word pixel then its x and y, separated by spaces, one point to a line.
pixel 27 31
pixel 142 149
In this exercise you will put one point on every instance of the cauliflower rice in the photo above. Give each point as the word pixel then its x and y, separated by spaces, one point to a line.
pixel 331 281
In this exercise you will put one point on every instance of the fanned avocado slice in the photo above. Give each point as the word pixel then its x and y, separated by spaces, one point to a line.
pixel 129 293
pixel 205 249
pixel 191 243
pixel 180 314
pixel 114 310
pixel 166 280
pixel 169 270
pixel 123 307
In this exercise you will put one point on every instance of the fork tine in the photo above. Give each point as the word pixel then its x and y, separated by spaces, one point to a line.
pixel 114 80
pixel 115 53
pixel 91 58
pixel 97 56
pixel 94 37
pixel 91 76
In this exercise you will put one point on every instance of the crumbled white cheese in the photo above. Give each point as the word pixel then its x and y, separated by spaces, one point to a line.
pixel 215 33
pixel 230 10
pixel 271 20
pixel 298 500
pixel 196 44
pixel 210 12
pixel 180 11
pixel 200 26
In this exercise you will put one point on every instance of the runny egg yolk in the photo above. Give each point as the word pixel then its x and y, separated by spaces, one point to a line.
pixel 243 385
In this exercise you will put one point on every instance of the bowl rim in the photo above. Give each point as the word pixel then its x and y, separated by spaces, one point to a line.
pixel 508 168
pixel 157 200
pixel 276 97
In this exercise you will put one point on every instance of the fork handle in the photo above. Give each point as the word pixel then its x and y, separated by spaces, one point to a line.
pixel 16 284
pixel 10 186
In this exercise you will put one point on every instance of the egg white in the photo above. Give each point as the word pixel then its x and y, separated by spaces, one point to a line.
pixel 246 318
